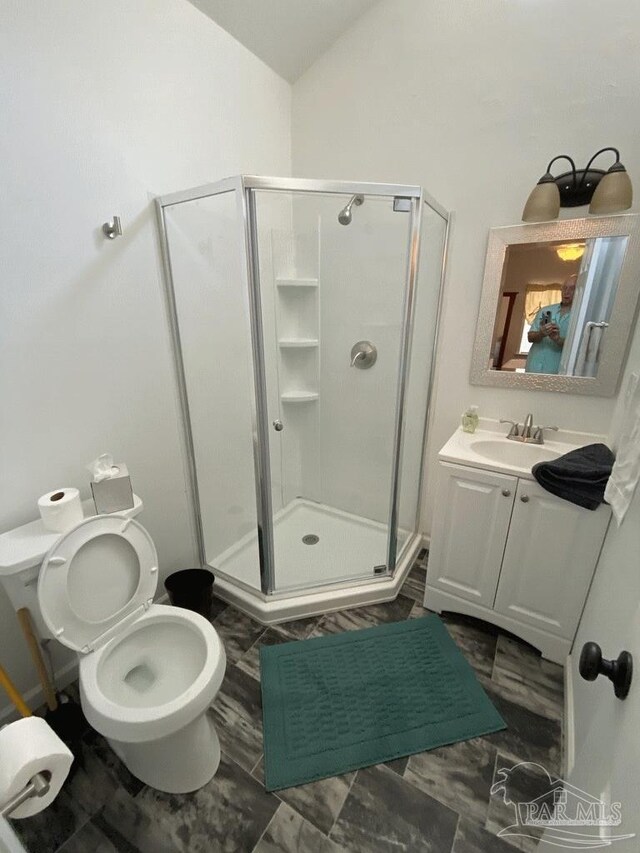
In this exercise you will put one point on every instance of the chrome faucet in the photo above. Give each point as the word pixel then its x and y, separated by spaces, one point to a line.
pixel 527 432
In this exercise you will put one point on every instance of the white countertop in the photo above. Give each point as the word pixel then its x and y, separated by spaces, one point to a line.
pixel 489 448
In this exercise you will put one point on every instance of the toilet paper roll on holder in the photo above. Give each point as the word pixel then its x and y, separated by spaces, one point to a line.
pixel 38 786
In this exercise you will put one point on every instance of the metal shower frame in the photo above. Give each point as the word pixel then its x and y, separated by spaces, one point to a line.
pixel 244 187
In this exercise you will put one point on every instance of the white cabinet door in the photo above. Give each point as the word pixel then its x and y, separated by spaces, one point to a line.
pixel 551 554
pixel 470 525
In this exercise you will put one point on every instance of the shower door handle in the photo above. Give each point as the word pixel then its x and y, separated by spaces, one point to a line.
pixel 278 425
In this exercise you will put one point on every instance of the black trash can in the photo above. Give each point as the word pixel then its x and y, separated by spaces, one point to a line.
pixel 191 588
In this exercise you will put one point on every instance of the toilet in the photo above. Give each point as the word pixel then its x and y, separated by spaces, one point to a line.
pixel 148 672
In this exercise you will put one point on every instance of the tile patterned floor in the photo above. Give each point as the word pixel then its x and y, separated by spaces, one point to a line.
pixel 437 802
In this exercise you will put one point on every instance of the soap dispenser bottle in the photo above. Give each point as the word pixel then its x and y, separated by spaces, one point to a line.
pixel 470 419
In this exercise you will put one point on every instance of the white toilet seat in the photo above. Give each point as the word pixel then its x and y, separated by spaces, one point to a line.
pixel 109 708
pixel 96 577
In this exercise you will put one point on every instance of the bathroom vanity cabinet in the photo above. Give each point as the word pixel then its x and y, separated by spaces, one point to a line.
pixel 505 550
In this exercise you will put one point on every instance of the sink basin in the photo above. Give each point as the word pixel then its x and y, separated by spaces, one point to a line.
pixel 491 450
pixel 515 454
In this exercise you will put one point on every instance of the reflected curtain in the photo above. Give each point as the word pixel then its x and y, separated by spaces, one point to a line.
pixel 539 296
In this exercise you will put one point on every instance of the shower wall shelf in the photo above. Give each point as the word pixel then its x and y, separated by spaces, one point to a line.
pixel 295 271
pixel 299 396
pixel 298 343
pixel 297 282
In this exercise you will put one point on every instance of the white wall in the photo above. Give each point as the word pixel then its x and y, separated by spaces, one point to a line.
pixel 104 106
pixel 472 100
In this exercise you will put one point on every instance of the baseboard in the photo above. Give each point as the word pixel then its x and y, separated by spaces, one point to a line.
pixel 35 696
pixel 569 731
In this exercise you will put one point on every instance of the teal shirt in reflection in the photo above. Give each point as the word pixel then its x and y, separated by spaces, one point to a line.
pixel 544 357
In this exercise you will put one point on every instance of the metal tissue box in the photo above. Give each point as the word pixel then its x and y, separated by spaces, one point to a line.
pixel 114 493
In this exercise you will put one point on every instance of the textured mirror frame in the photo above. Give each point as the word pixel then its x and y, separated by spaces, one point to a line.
pixel 622 320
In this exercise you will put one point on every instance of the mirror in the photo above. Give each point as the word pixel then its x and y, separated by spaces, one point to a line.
pixel 555 304
pixel 558 304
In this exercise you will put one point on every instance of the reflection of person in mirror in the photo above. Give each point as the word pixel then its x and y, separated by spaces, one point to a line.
pixel 548 331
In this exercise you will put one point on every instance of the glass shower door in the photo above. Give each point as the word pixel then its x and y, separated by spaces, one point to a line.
pixel 331 271
pixel 425 315
pixel 211 323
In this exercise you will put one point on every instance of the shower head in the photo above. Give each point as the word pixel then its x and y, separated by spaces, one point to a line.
pixel 344 217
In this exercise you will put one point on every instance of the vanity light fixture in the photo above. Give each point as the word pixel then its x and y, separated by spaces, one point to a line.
pixel 607 192
pixel 570 251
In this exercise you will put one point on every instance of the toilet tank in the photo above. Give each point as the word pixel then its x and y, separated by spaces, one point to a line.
pixel 22 551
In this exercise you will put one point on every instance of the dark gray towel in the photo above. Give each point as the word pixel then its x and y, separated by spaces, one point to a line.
pixel 579 476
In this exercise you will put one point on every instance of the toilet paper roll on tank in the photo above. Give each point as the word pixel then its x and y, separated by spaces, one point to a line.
pixel 61 509
pixel 28 747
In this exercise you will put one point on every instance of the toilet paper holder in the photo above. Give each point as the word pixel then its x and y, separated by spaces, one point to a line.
pixel 37 787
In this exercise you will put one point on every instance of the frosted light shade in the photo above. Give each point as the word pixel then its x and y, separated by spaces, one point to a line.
pixel 613 193
pixel 543 203
pixel 570 251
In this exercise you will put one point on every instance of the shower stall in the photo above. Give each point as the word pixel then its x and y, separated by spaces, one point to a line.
pixel 304 352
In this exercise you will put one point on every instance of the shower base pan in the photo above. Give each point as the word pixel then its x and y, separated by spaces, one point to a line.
pixel 325 558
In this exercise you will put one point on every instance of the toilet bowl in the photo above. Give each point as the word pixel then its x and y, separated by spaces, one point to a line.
pixel 148 672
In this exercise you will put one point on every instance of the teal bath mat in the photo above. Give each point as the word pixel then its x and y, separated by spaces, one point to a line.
pixel 336 703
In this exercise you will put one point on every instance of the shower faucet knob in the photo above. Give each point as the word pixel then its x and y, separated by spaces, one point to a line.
pixel 363 355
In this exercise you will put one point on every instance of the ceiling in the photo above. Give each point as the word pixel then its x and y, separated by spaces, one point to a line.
pixel 289 35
